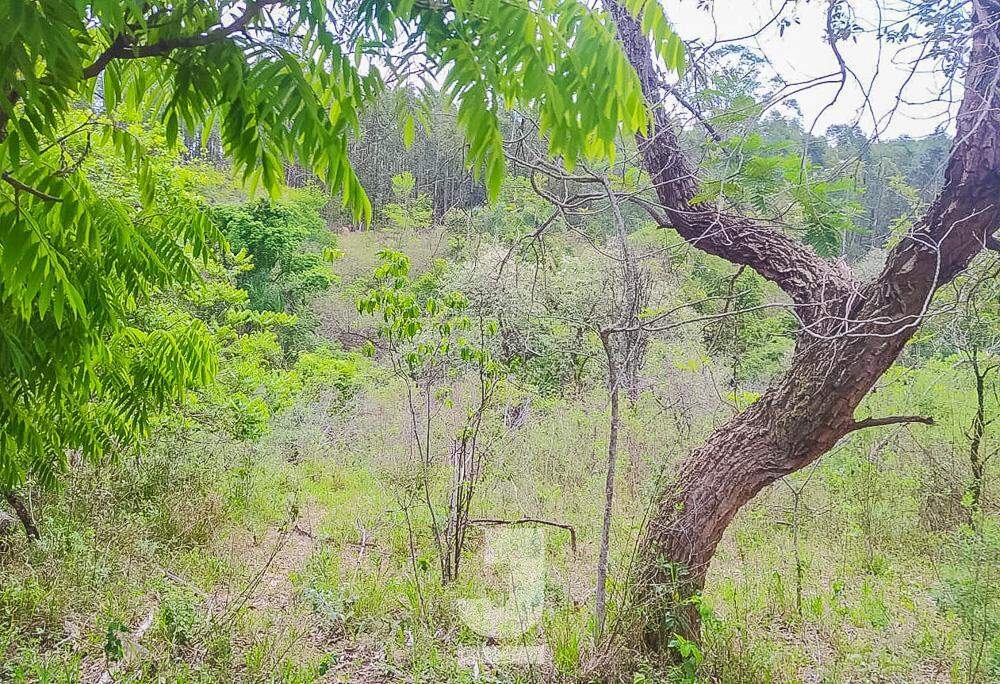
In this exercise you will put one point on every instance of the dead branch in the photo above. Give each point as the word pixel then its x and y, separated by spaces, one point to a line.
pixel 889 420
pixel 530 521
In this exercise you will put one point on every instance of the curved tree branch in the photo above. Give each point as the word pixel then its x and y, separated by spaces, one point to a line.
pixel 958 225
pixel 961 221
pixel 808 279
pixel 18 185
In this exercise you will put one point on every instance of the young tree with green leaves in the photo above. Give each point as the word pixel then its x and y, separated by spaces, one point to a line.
pixel 409 211
pixel 289 245
pixel 430 341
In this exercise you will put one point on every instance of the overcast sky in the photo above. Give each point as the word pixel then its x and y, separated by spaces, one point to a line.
pixel 801 54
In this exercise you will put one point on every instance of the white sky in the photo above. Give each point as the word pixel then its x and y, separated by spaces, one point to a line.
pixel 802 53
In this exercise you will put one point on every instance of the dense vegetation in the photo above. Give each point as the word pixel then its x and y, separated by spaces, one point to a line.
pixel 294 387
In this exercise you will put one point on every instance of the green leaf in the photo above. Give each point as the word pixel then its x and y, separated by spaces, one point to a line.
pixel 408 131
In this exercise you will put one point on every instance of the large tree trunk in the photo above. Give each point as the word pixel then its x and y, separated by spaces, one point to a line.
pixel 850 332
pixel 794 422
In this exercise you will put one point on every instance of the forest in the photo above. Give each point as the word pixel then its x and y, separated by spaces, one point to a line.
pixel 507 341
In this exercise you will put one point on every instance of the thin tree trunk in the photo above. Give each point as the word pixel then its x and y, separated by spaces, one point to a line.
pixel 15 501
pixel 609 487
pixel 625 354
pixel 976 441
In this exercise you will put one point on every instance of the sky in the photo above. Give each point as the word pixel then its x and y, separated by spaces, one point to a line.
pixel 802 53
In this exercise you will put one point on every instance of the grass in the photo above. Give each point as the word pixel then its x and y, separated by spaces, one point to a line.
pixel 307 556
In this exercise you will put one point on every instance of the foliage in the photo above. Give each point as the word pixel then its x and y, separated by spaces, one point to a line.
pixel 760 175
pixel 75 260
pixel 208 504
pixel 78 370
pixel 253 385
pixel 519 211
pixel 273 101
pixel 276 525
pixel 427 332
pixel 408 212
pixel 289 245
pixel 755 339
pixel 545 310
pixel 257 378
pixel 970 593
pixel 380 153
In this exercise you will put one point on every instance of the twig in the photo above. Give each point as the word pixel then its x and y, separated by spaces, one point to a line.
pixel 18 185
pixel 889 420
pixel 185 582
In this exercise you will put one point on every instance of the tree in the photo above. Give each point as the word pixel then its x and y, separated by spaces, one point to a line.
pixel 625 343
pixel 427 149
pixel 408 212
pixel 850 332
pixel 974 333
pixel 430 341
pixel 289 244
pixel 77 258
pixel 81 367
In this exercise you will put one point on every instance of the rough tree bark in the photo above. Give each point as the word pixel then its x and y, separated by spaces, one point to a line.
pixel 851 332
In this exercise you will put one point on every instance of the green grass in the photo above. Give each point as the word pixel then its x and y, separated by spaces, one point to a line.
pixel 183 533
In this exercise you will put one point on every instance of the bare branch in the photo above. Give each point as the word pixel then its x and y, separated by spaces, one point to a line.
pixel 529 521
pixel 696 113
pixel 889 420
